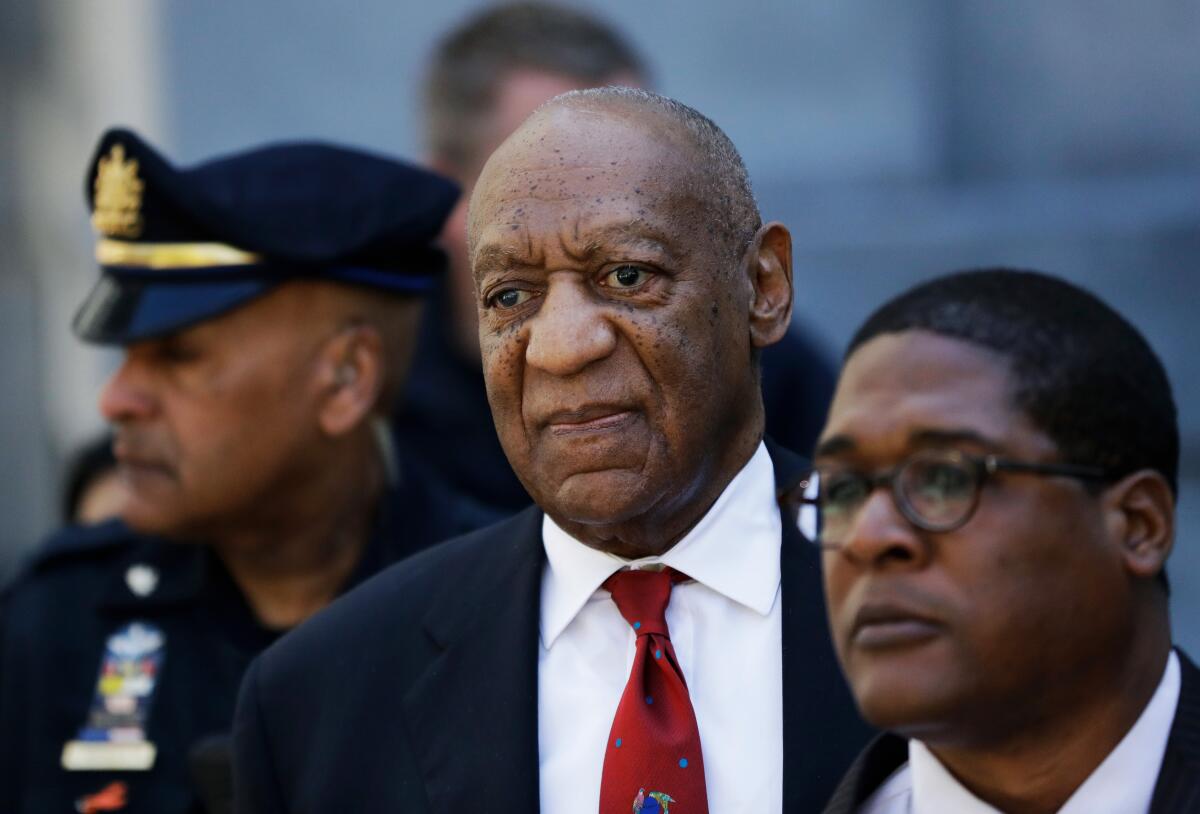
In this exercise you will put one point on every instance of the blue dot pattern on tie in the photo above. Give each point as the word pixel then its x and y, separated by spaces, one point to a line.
pixel 664 726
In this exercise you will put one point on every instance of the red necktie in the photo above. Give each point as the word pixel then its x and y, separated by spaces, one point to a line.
pixel 653 762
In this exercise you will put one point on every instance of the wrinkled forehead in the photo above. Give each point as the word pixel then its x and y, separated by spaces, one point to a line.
pixel 587 164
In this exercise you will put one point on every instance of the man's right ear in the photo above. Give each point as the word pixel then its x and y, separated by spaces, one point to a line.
pixel 352 366
pixel 769 260
pixel 1141 509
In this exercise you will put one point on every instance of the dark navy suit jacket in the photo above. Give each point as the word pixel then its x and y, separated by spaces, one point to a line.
pixel 417 692
pixel 1176 792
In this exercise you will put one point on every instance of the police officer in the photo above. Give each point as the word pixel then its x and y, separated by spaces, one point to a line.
pixel 267 303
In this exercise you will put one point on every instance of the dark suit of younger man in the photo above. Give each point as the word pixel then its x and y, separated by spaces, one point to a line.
pixel 1177 790
pixel 419 691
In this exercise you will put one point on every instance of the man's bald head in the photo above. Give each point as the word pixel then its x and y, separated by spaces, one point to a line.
pixel 713 171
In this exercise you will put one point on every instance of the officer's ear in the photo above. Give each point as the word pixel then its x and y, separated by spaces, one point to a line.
pixel 351 374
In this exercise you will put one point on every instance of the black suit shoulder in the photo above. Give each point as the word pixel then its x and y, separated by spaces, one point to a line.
pixel 338 696
pixel 1178 788
pixel 394 602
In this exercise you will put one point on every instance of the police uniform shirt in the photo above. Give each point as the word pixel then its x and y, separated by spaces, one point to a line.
pixel 89 584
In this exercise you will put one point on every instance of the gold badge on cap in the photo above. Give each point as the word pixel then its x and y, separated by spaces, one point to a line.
pixel 118 200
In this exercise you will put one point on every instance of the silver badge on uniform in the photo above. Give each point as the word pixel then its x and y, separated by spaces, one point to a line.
pixel 114 735
pixel 141 579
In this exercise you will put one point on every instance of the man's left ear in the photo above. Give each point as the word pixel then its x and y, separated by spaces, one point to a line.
pixel 769 261
pixel 1142 518
pixel 351 379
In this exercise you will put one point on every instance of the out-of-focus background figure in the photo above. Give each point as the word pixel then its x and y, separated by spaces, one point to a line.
pixel 266 307
pixel 895 140
pixel 484 78
pixel 92 488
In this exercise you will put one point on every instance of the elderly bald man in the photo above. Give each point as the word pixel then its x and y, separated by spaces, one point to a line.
pixel 626 287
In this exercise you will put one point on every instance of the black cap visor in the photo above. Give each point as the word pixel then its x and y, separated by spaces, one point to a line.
pixel 128 308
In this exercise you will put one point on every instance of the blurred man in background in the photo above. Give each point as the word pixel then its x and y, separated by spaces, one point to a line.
pixel 485 78
pixel 92 489
pixel 996 491
pixel 267 304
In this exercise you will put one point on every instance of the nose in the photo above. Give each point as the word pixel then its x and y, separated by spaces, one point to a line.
pixel 125 396
pixel 569 331
pixel 880 534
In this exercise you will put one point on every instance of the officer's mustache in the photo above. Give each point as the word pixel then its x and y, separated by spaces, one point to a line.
pixel 137 448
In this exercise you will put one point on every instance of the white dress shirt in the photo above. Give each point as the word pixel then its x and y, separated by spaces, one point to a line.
pixel 1122 784
pixel 727 631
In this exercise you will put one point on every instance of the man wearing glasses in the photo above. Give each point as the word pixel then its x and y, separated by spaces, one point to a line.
pixel 994 497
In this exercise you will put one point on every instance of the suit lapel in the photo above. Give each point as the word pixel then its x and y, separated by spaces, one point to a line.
pixel 1178 786
pixel 473 713
pixel 870 770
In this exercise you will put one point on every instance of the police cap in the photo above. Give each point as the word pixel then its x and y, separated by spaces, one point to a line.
pixel 179 246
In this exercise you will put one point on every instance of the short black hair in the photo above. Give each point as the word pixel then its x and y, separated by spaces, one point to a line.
pixel 471 61
pixel 1083 374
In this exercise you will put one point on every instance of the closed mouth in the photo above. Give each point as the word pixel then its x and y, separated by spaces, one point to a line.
pixel 135 464
pixel 884 625
pixel 590 419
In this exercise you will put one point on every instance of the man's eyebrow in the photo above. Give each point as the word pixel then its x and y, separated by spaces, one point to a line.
pixel 834 445
pixel 498 255
pixel 917 438
pixel 940 437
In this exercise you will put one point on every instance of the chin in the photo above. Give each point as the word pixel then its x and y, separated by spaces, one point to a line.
pixel 914 705
pixel 152 517
pixel 147 522
pixel 605 498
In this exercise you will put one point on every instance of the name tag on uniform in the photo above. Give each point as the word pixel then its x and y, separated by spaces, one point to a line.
pixel 114 736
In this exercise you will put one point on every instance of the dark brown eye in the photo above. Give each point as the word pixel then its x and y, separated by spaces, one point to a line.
pixel 509 298
pixel 843 492
pixel 626 277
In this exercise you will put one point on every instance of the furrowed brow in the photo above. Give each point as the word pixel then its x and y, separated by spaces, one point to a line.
pixel 631 235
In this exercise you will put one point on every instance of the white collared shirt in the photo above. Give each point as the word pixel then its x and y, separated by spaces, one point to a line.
pixel 727 631
pixel 1122 784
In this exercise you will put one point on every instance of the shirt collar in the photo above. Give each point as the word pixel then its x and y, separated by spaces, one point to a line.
pixel 733 550
pixel 1124 781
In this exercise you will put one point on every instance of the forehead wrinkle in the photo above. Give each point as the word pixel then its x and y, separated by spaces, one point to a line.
pixel 636 233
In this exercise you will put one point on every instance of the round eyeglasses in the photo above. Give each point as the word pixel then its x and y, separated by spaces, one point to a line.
pixel 935 490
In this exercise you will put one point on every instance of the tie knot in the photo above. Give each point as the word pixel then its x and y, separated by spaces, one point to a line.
pixel 642 598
